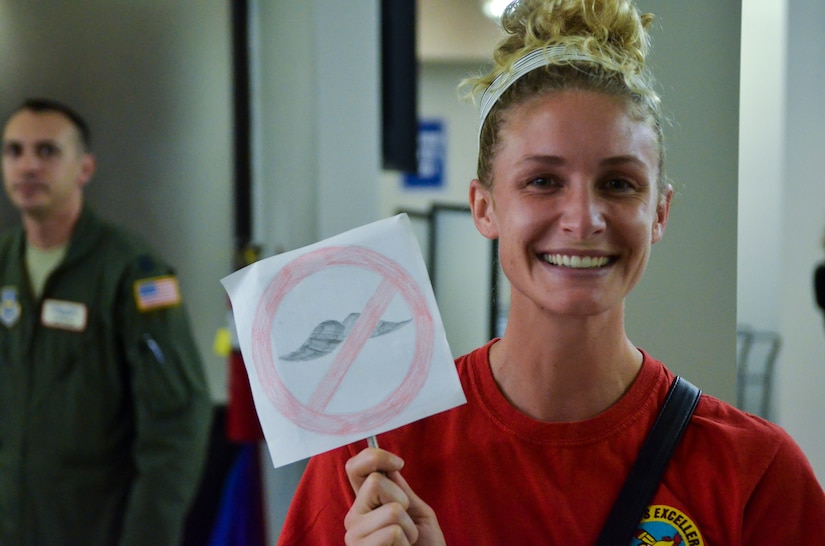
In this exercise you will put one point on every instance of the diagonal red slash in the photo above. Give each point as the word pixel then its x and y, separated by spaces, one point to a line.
pixel 349 351
pixel 277 391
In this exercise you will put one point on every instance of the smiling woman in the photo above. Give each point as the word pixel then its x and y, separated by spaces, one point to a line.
pixel 571 184
pixel 586 196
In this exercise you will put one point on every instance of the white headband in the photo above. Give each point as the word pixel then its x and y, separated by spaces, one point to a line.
pixel 555 54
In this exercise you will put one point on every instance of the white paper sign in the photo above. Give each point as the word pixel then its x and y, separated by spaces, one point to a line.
pixel 342 340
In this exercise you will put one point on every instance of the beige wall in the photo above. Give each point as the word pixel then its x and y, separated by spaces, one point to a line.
pixel 153 78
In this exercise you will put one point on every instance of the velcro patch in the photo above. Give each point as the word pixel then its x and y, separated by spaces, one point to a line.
pixel 157 292
pixel 64 315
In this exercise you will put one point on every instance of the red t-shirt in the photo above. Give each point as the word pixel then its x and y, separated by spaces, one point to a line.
pixel 495 476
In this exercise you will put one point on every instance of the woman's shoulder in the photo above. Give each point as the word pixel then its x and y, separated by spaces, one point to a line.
pixel 745 444
pixel 734 442
pixel 721 419
pixel 718 421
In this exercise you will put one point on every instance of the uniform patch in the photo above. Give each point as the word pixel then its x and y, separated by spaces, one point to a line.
pixel 9 306
pixel 665 526
pixel 157 292
pixel 64 315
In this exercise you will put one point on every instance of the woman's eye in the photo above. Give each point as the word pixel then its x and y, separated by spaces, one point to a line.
pixel 619 184
pixel 543 182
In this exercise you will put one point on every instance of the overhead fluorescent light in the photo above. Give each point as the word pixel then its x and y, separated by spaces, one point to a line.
pixel 494 8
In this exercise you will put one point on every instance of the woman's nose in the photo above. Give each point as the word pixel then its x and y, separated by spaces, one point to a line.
pixel 582 215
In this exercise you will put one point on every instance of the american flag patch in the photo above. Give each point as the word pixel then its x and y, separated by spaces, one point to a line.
pixel 157 292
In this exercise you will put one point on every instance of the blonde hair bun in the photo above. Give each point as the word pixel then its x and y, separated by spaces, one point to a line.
pixel 611 33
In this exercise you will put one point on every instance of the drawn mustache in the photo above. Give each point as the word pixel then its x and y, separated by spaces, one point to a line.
pixel 330 333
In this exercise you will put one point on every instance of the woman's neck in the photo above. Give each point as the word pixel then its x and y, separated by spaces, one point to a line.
pixel 564 369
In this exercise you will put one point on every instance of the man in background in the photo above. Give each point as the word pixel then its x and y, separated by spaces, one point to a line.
pixel 105 407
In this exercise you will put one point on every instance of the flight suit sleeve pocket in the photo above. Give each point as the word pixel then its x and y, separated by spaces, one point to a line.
pixel 160 383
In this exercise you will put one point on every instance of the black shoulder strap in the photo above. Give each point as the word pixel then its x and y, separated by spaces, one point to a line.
pixel 650 464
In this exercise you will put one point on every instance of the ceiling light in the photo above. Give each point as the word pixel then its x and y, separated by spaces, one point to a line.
pixel 494 8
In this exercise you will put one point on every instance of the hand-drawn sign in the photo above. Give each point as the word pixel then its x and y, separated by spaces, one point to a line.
pixel 394 280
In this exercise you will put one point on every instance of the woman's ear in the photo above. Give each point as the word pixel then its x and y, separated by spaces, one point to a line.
pixel 482 207
pixel 662 213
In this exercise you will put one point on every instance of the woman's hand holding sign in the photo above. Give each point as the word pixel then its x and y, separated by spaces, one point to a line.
pixel 386 511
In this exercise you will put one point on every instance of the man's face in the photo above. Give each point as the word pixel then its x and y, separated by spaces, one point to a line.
pixel 44 164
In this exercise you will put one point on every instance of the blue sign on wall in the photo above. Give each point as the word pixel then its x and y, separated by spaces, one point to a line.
pixel 432 154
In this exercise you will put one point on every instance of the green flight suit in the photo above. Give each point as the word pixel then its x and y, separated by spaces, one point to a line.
pixel 104 408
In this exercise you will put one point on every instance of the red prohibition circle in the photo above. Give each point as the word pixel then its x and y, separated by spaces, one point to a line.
pixel 272 383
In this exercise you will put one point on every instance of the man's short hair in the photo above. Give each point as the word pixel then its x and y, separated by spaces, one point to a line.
pixel 49 105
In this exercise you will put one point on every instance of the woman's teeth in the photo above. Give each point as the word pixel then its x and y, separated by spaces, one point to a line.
pixel 576 262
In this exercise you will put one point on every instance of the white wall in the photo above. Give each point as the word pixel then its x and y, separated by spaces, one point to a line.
pixel 802 360
pixel 285 124
pixel 781 211
pixel 315 96
pixel 761 147
pixel 317 140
